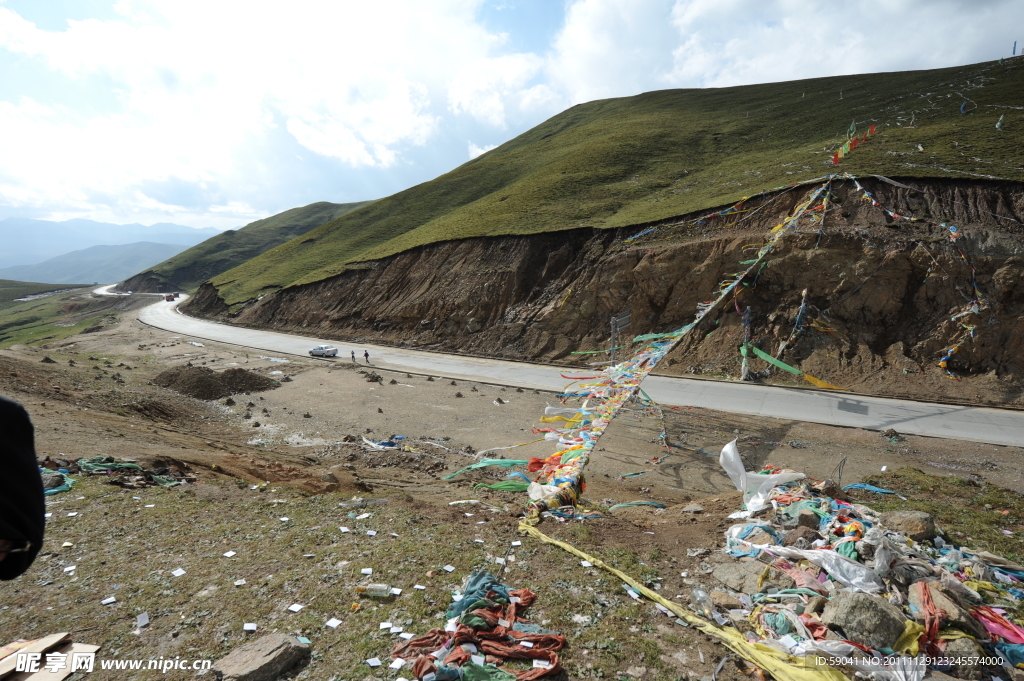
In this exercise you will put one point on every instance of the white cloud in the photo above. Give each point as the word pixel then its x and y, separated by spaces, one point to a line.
pixel 198 88
pixel 194 106
pixel 608 48
pixel 482 88
pixel 475 151
pixel 611 48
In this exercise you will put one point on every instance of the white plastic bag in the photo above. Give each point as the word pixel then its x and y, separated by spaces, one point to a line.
pixel 755 487
pixel 538 491
pixel 848 572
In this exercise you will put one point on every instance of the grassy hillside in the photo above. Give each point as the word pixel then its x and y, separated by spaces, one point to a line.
pixel 217 254
pixel 11 290
pixel 630 160
pixel 99 264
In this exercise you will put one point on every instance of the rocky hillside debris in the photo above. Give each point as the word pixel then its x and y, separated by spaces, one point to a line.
pixel 206 384
pixel 264 659
pixel 888 582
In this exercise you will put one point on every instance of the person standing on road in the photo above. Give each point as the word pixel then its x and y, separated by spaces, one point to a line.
pixel 353 356
pixel 366 356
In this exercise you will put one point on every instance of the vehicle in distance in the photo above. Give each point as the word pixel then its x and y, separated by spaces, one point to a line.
pixel 324 351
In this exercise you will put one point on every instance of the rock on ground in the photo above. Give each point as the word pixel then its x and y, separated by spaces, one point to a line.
pixel 865 619
pixel 965 649
pixel 264 659
pixel 946 601
pixel 808 518
pixel 742 577
pixel 52 480
pixel 800 537
pixel 917 525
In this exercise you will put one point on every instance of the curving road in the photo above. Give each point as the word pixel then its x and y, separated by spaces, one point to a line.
pixel 977 424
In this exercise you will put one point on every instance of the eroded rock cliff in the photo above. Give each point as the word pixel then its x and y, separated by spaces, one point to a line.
pixel 883 292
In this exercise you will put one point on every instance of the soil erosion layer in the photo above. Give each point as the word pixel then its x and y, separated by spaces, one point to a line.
pixel 887 297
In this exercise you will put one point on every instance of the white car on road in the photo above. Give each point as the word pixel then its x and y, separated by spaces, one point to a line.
pixel 324 351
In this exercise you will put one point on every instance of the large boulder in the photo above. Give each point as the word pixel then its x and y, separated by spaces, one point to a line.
pixel 964 651
pixel 743 576
pixel 917 525
pixel 946 601
pixel 264 659
pixel 865 619
pixel 800 537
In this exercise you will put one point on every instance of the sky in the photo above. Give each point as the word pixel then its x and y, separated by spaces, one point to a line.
pixel 215 114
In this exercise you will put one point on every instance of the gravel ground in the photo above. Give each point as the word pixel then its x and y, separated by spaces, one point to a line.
pixel 303 467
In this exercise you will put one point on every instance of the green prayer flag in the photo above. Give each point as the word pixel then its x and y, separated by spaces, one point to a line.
pixel 484 463
pixel 771 360
pixel 651 336
pixel 487 672
pixel 98 463
pixel 505 486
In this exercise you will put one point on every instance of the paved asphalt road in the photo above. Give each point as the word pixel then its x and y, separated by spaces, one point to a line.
pixel 993 426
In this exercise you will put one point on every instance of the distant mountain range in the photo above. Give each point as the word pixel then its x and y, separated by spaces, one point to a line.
pixel 100 264
pixel 26 241
pixel 233 247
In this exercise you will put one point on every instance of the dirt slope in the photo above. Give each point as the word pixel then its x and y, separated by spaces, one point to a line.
pixel 888 289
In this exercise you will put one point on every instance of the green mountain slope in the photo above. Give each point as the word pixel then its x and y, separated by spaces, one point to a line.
pixel 10 290
pixel 101 264
pixel 217 254
pixel 632 160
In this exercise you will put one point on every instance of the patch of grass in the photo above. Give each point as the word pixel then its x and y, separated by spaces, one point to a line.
pixel 627 161
pixel 45 319
pixel 958 506
pixel 217 254
pixel 10 290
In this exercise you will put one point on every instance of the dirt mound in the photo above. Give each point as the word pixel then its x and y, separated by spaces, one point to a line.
pixel 242 381
pixel 157 410
pixel 206 384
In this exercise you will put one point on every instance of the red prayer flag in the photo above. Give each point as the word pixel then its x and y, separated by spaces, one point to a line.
pixel 835 159
pixel 872 130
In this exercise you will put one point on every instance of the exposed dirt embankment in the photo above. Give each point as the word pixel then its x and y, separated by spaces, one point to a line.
pixel 145 282
pixel 883 292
